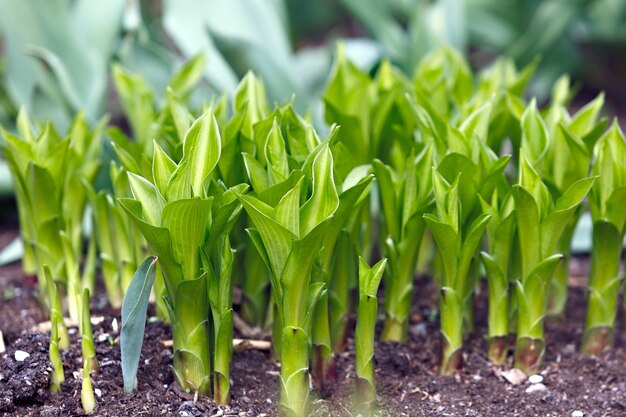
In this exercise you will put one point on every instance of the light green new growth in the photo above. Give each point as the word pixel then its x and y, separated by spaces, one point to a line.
pixel 220 300
pixel 540 224
pixel 47 169
pixel 607 200
pixel 567 160
pixel 369 280
pixel 56 313
pixel 87 398
pixel 500 234
pixel 184 215
pixel 289 236
pixel 457 244
pixel 87 343
pixel 57 377
pixel 404 196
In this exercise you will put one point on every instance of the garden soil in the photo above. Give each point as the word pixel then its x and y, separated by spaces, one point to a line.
pixel 406 374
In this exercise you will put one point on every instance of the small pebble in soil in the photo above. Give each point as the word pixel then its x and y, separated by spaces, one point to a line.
pixel 535 379
pixel 536 388
pixel 514 376
pixel 188 409
pixel 418 329
pixel 114 325
pixel 577 413
pixel 21 356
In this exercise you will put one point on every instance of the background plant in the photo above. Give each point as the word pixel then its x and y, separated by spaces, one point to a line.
pixel 45 167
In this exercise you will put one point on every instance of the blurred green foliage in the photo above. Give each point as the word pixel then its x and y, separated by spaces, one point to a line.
pixel 56 55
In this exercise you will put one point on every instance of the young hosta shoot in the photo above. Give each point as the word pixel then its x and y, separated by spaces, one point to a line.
pixel 119 243
pixel 540 224
pixel 87 343
pixel 405 196
pixel 182 213
pixel 56 312
pixel 479 172
pixel 47 170
pixel 221 302
pixel 344 280
pixel 289 236
pixel 353 192
pixel 567 160
pixel 57 377
pixel 87 398
pixel 369 280
pixel 457 243
pixel 608 201
pixel 500 233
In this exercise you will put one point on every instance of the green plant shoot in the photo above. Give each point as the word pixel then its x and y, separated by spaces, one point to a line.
pixel 369 280
pixel 540 224
pixel 405 196
pixel 87 343
pixel 500 234
pixel 57 377
pixel 182 214
pixel 607 200
pixel 457 243
pixel 289 236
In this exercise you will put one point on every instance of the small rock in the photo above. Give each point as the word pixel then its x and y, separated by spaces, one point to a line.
pixel 577 413
pixel 98 392
pixel 188 409
pixel 114 325
pixel 21 356
pixel 535 379
pixel 103 337
pixel 536 388
pixel 418 329
pixel 514 376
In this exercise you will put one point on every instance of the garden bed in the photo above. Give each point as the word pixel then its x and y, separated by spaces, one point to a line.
pixel 406 375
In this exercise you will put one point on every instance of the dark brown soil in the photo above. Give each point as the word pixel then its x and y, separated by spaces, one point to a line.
pixel 406 375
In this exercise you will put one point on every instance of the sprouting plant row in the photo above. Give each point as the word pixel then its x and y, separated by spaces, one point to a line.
pixel 446 172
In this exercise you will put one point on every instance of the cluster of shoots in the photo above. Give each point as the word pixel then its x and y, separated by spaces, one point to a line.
pixel 241 193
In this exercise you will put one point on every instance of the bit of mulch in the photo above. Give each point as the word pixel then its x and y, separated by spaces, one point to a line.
pixel 406 375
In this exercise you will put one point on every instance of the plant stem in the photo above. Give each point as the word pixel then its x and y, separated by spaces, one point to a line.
pixel 604 286
pixel 451 316
pixel 57 377
pixel 86 393
pixel 294 373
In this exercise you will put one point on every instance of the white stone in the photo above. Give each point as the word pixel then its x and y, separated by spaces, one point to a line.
pixel 98 392
pixel 535 388
pixel 535 379
pixel 115 326
pixel 21 356
pixel 577 413
pixel 514 376
pixel 103 337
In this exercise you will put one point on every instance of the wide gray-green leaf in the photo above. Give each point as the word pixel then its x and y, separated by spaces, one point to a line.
pixel 134 310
